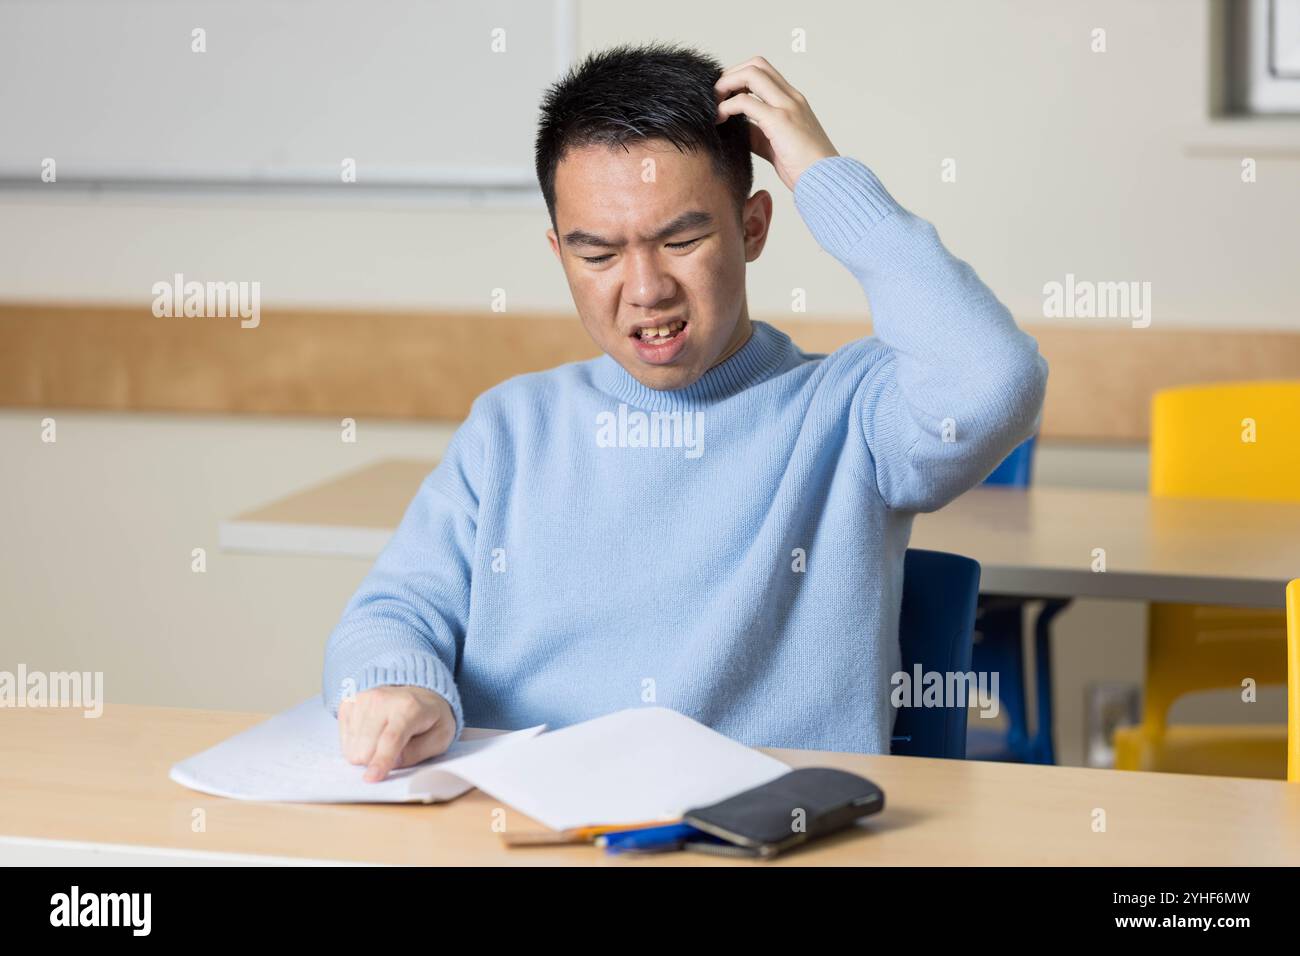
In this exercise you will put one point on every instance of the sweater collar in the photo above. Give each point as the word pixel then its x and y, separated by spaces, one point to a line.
pixel 764 352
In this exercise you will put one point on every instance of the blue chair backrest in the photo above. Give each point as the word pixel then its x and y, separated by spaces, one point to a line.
pixel 936 631
pixel 1017 469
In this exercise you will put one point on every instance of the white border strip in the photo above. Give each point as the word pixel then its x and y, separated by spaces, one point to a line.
pixel 34 851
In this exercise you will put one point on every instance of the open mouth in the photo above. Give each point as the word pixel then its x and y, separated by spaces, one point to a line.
pixel 660 335
pixel 661 344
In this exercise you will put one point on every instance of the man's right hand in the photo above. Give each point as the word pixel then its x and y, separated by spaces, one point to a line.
pixel 390 727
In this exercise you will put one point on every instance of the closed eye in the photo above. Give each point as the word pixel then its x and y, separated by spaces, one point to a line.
pixel 597 260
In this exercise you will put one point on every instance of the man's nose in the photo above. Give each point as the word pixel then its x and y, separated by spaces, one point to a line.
pixel 646 282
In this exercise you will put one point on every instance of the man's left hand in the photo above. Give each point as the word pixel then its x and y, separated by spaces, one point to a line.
pixel 783 129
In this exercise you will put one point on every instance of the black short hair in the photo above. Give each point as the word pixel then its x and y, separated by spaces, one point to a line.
pixel 633 93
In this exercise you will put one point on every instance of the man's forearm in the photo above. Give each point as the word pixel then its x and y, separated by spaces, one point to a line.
pixel 961 385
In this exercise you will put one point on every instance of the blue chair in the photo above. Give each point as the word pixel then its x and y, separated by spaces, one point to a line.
pixel 999 648
pixel 1017 469
pixel 935 628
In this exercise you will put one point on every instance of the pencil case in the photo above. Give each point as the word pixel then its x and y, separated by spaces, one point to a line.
pixel 797 807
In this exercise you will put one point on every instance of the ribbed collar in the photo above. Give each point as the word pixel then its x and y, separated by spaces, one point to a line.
pixel 767 348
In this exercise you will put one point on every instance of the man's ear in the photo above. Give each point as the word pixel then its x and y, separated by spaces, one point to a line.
pixel 555 243
pixel 756 222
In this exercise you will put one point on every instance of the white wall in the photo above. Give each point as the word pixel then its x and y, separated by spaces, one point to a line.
pixel 1067 161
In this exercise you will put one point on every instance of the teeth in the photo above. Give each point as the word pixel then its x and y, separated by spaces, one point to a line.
pixel 662 331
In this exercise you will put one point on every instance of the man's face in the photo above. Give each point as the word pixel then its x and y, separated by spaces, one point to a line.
pixel 649 239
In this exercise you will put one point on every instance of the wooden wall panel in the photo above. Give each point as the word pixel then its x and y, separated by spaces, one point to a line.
pixel 431 365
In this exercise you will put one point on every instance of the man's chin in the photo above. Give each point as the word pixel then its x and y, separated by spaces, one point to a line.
pixel 661 369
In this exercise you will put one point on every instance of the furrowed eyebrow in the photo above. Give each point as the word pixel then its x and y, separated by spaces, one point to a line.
pixel 687 220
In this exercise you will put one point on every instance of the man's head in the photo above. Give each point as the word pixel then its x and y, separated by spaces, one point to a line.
pixel 650 208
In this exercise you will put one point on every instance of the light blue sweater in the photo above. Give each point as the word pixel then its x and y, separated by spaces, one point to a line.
pixel 733 549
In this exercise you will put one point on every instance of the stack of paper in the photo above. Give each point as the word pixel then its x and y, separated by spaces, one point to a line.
pixel 636 765
pixel 295 758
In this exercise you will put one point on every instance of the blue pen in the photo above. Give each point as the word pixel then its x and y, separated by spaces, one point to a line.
pixel 648 839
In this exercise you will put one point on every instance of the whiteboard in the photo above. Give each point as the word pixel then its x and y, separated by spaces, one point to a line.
pixel 412 92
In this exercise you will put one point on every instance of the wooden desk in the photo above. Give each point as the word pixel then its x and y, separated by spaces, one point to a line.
pixel 63 777
pixel 1038 542
pixel 350 516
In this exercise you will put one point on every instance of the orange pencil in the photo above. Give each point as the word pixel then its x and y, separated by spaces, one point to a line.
pixel 575 834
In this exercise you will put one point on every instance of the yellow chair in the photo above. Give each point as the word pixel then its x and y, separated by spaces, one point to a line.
pixel 1293 681
pixel 1237 440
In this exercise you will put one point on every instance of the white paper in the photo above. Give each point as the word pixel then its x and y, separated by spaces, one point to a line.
pixel 635 765
pixel 294 757
pixel 632 766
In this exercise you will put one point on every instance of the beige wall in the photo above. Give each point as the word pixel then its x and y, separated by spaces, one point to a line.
pixel 95 566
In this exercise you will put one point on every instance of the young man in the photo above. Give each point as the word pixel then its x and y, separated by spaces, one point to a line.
pixel 705 517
